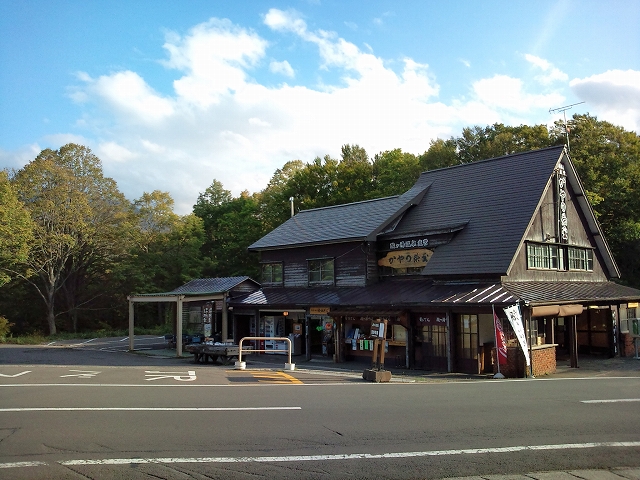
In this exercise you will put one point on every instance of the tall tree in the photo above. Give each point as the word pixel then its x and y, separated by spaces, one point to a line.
pixel 59 211
pixel 354 176
pixel 16 230
pixel 274 200
pixel 607 158
pixel 394 172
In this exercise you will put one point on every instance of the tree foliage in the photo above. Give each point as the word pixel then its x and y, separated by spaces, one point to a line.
pixel 16 230
pixel 66 230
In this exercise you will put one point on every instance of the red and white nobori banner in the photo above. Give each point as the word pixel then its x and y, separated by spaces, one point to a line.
pixel 501 344
pixel 513 314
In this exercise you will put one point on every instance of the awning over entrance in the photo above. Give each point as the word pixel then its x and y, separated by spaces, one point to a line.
pixel 556 310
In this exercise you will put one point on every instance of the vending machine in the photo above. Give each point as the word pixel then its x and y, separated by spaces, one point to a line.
pixel 274 327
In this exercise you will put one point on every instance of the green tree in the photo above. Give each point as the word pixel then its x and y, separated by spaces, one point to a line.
pixel 354 175
pixel 167 250
pixel 16 230
pixel 230 226
pixel 80 226
pixel 59 212
pixel 394 172
pixel 607 158
pixel 441 153
pixel 274 200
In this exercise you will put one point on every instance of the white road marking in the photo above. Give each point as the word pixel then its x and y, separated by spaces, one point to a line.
pixel 81 374
pixel 308 458
pixel 144 409
pixel 15 375
pixel 348 456
pixel 22 464
pixel 614 400
pixel 157 375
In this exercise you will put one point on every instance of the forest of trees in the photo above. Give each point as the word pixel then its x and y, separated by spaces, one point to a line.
pixel 72 247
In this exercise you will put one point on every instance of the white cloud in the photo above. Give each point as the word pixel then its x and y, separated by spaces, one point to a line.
pixel 214 56
pixel 283 68
pixel 507 93
pixel 551 73
pixel 111 151
pixel 221 123
pixel 614 94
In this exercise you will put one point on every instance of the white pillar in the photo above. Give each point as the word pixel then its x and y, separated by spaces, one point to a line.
pixel 179 326
pixel 131 321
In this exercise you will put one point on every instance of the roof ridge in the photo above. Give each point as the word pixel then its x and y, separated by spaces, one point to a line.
pixel 486 160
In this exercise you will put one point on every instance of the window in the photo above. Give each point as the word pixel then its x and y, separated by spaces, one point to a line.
pixel 544 256
pixel 580 259
pixel 467 337
pixel 272 273
pixel 321 271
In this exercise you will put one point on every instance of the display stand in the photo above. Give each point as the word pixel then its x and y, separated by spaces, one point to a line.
pixel 377 373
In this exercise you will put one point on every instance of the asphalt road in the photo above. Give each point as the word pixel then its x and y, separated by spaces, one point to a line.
pixel 92 412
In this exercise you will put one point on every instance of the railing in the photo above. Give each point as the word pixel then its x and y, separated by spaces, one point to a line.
pixel 240 365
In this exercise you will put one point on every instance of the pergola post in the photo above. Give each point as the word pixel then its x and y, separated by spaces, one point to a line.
pixel 179 325
pixel 131 322
pixel 225 322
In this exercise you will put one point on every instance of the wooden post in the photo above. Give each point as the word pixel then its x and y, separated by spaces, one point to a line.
pixel 573 347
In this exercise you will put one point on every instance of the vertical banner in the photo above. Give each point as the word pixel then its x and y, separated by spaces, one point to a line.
pixel 501 344
pixel 513 314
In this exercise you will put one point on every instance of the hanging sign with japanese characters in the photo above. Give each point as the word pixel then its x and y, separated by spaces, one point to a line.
pixel 417 257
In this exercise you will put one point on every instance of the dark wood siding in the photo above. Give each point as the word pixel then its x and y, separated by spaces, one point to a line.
pixel 350 263
pixel 543 225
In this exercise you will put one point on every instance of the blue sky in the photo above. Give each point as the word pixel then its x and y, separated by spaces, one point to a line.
pixel 172 95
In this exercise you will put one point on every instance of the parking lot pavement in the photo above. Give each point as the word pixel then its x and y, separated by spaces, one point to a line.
pixel 622 473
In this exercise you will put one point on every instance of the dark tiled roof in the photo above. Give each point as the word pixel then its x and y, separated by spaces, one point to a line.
pixel 497 197
pixel 352 221
pixel 396 294
pixel 424 293
pixel 571 292
pixel 202 286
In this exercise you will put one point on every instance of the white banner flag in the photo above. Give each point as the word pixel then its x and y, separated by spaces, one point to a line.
pixel 513 314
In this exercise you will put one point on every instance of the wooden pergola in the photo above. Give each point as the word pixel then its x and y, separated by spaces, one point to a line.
pixel 179 300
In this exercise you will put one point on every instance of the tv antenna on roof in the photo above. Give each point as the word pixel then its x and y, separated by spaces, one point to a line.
pixel 563 110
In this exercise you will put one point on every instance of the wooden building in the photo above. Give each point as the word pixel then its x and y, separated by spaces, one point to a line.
pixel 438 260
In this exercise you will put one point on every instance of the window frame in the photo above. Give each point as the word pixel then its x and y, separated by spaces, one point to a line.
pixel 321 270
pixel 545 256
pixel 272 274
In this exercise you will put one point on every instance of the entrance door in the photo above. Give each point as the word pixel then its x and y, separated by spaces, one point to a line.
pixel 433 347
pixel 466 354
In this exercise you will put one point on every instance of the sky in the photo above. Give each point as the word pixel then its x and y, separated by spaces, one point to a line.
pixel 174 95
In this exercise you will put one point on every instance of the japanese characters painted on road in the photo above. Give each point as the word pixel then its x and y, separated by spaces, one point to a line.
pixel 513 314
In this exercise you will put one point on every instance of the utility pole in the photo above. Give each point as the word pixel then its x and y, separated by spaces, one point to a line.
pixel 563 110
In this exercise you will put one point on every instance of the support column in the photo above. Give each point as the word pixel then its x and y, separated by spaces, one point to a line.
pixel 225 319
pixel 573 347
pixel 131 323
pixel 179 326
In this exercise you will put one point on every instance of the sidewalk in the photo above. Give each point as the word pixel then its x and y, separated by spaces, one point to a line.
pixel 621 473
pixel 588 366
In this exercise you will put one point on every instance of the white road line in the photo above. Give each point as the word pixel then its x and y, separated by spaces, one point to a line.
pixel 348 456
pixel 309 458
pixel 22 464
pixel 614 400
pixel 144 409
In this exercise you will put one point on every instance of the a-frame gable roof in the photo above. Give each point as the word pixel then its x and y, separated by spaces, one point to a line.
pixel 340 223
pixel 496 198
